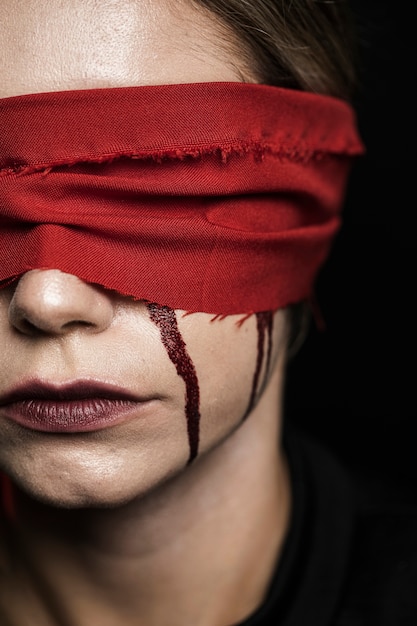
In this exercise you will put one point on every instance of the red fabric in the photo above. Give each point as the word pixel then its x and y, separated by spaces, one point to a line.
pixel 216 197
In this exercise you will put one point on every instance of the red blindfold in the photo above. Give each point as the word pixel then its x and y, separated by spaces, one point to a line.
pixel 215 197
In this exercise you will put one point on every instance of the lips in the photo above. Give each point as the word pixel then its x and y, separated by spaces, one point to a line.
pixel 77 407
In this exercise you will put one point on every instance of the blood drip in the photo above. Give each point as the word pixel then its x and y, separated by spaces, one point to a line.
pixel 165 319
pixel 264 324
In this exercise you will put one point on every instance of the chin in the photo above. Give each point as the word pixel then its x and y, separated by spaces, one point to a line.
pixel 58 494
pixel 86 499
pixel 89 487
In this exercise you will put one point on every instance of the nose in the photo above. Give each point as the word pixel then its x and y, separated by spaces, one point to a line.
pixel 56 303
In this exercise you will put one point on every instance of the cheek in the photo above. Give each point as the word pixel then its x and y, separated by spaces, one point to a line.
pixel 5 298
pixel 5 328
pixel 166 320
pixel 224 363
pixel 232 362
pixel 217 349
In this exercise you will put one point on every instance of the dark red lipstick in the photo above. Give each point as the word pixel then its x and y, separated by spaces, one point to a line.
pixel 80 406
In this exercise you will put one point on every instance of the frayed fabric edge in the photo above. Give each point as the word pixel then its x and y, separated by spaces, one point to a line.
pixel 257 149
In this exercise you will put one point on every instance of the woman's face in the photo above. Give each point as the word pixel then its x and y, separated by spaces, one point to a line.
pixel 160 371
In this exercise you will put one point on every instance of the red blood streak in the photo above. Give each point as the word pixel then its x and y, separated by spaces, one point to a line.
pixel 264 323
pixel 164 317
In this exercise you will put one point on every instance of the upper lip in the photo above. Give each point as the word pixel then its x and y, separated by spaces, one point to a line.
pixel 67 392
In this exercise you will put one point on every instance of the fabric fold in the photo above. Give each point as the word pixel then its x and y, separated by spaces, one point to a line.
pixel 215 197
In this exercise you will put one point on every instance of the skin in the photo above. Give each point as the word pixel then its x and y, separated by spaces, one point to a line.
pixel 121 531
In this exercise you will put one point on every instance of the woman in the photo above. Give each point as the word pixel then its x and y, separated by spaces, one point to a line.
pixel 145 310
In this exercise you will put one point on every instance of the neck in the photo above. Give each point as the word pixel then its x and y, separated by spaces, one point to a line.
pixel 200 549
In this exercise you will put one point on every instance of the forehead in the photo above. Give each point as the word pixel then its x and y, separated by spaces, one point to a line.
pixel 54 45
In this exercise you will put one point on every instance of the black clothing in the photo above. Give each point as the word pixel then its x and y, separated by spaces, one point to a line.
pixel 350 557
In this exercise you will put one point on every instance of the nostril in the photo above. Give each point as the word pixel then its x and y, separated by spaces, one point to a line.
pixel 26 327
pixel 76 324
pixel 50 302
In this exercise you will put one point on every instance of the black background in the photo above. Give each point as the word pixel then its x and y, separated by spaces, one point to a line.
pixel 353 385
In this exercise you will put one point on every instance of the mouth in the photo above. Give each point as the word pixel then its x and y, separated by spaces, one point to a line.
pixel 80 406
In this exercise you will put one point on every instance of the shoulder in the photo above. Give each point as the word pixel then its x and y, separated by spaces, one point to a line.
pixel 381 581
pixel 376 517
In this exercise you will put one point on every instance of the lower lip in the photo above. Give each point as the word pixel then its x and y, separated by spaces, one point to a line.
pixel 71 416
